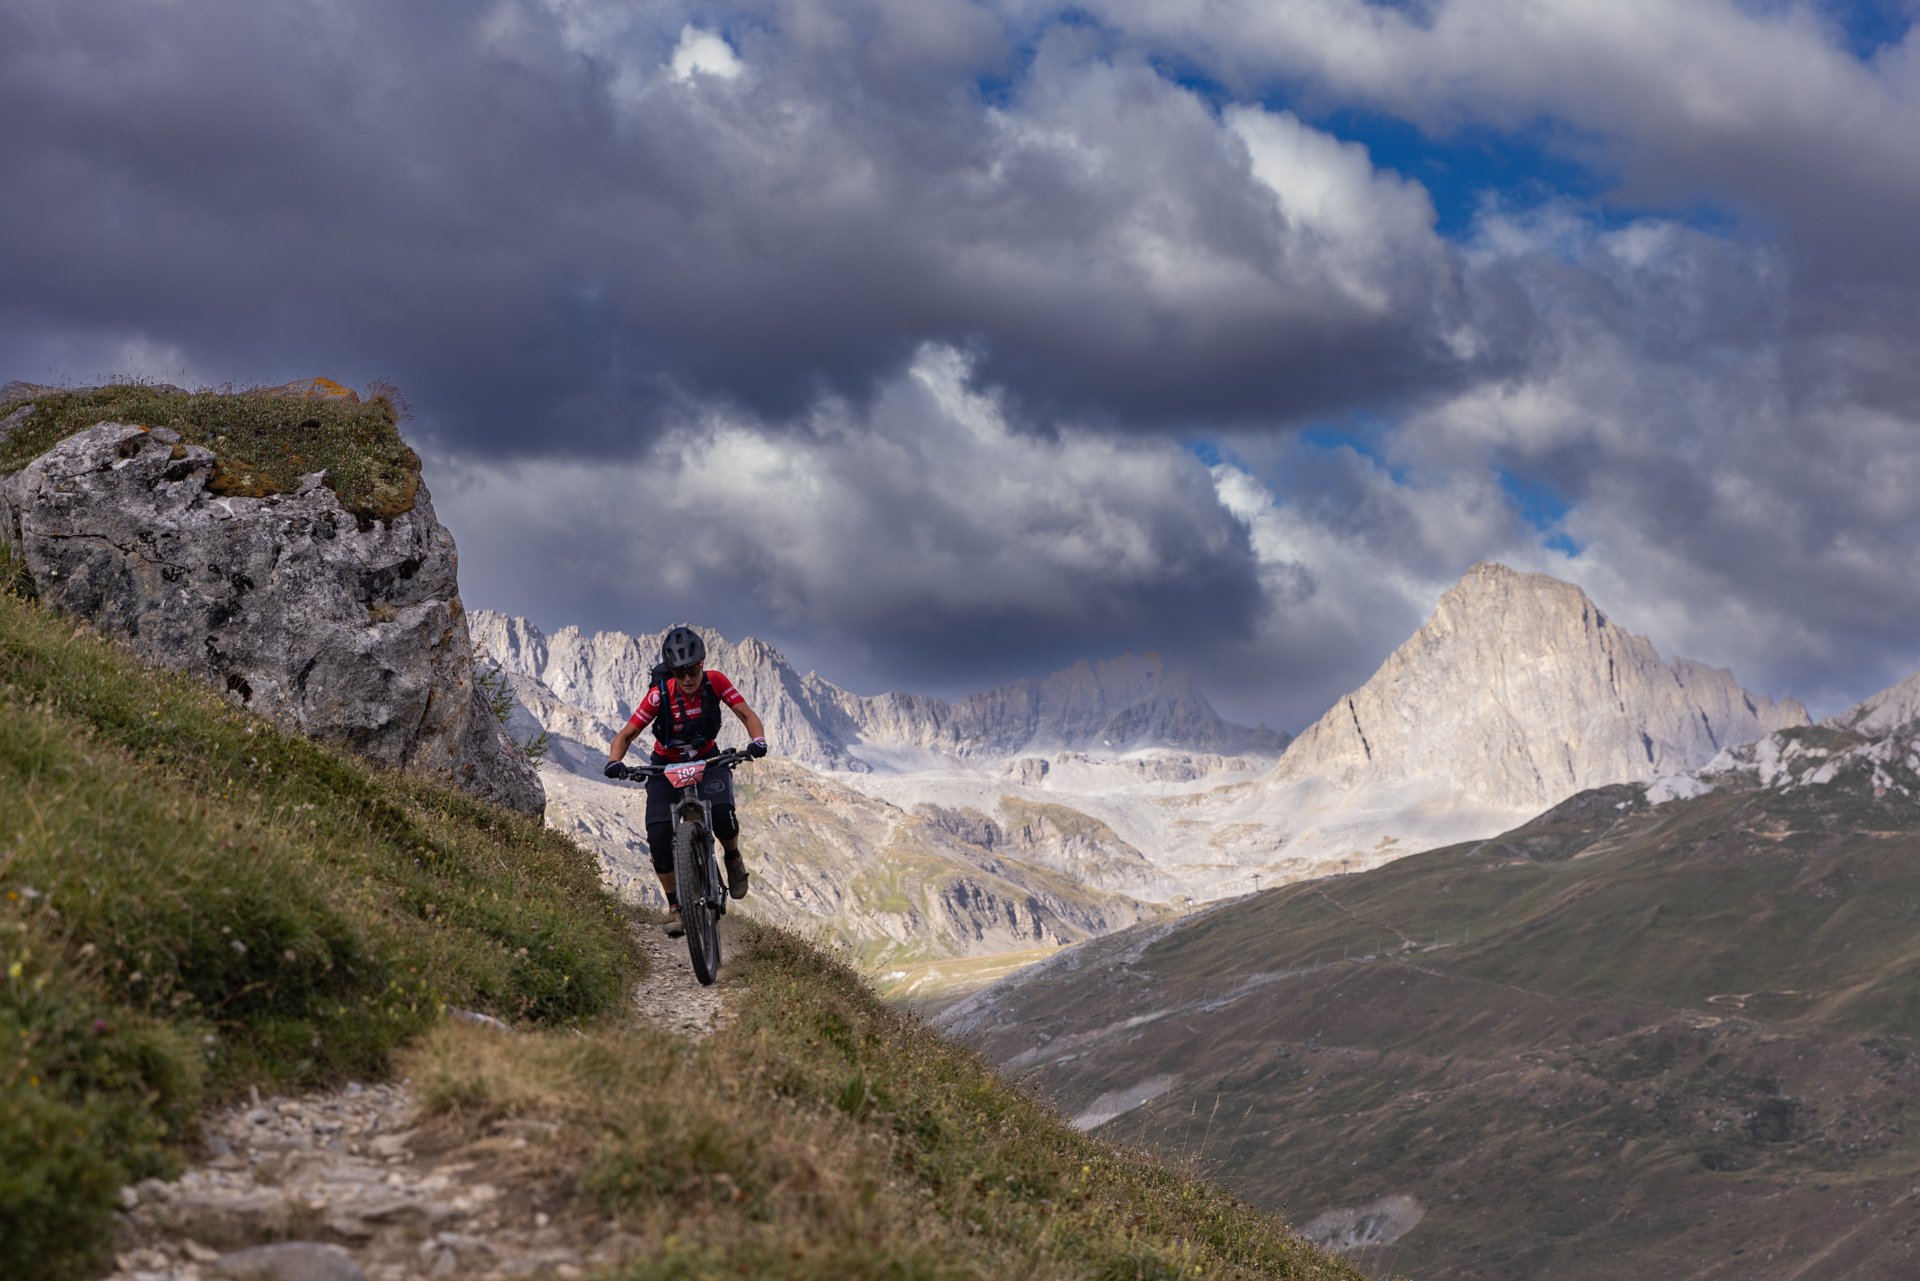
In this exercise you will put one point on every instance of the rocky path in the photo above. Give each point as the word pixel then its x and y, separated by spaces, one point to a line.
pixel 671 996
pixel 345 1189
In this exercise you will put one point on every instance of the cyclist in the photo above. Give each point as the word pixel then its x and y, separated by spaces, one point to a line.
pixel 683 706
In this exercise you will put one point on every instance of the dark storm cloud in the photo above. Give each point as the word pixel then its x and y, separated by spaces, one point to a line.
pixel 552 239
pixel 917 542
pixel 868 329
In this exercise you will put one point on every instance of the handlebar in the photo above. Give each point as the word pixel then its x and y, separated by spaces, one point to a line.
pixel 724 760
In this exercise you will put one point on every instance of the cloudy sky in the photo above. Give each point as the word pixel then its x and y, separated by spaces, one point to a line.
pixel 943 342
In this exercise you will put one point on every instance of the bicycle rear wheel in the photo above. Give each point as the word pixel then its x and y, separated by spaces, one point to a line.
pixel 693 876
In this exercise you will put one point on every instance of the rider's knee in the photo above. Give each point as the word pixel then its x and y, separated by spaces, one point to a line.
pixel 726 824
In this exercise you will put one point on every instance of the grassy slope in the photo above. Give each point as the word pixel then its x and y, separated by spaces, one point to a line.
pixel 1616 1043
pixel 192 902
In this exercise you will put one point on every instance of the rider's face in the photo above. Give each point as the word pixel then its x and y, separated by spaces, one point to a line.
pixel 689 678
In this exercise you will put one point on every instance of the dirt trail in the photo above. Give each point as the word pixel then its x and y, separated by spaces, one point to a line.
pixel 338 1186
pixel 671 996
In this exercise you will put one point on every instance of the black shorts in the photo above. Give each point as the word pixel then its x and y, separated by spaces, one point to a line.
pixel 715 789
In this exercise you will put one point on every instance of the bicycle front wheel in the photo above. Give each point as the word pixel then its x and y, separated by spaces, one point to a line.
pixel 693 876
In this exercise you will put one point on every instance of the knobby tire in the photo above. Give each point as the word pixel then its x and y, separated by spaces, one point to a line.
pixel 692 857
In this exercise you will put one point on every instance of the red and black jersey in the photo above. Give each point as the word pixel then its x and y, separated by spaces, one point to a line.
pixel 690 727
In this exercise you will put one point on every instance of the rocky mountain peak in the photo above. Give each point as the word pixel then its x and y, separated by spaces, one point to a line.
pixel 1519 692
pixel 1893 709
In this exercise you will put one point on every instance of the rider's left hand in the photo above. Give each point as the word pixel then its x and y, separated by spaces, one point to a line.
pixel 757 748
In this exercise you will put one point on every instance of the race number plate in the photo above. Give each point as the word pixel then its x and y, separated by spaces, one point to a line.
pixel 686 775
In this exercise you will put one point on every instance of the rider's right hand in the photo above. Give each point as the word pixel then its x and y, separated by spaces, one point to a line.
pixel 616 769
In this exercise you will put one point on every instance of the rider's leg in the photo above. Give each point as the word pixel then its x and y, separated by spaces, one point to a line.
pixel 660 849
pixel 660 844
pixel 726 826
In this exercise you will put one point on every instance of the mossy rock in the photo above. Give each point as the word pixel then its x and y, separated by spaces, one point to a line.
pixel 263 440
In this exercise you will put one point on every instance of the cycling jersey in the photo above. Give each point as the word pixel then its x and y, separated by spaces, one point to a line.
pixel 691 727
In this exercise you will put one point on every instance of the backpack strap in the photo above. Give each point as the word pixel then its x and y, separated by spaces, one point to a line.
pixel 662 678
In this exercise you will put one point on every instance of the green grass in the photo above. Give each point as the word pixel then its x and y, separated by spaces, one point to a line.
pixel 263 443
pixel 192 902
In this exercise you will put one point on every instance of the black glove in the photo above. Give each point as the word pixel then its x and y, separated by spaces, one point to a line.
pixel 617 769
pixel 757 748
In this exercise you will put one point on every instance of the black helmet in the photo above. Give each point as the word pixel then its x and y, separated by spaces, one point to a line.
pixel 683 648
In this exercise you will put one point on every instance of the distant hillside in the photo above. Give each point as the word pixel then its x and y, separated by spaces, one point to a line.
pixel 193 903
pixel 894 887
pixel 1623 1040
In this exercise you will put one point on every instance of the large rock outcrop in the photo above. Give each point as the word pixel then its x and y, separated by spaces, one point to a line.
pixel 345 629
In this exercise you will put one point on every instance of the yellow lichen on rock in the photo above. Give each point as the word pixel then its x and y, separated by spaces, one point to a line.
pixel 325 388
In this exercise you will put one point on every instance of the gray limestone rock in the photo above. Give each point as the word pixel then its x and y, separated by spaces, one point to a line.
pixel 1519 692
pixel 16 390
pixel 1891 710
pixel 348 631
pixel 292 1261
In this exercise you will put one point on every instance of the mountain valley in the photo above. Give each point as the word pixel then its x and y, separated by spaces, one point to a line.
pixel 918 833
pixel 1624 1039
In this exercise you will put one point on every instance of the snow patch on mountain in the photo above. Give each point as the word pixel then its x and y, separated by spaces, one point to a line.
pixel 1888 766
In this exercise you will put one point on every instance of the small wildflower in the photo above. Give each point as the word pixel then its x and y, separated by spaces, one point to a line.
pixel 13 971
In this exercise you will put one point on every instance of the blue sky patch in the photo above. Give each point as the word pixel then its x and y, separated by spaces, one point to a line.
pixel 1867 26
pixel 1541 506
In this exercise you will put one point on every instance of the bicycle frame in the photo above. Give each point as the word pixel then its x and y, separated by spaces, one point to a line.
pixel 697 881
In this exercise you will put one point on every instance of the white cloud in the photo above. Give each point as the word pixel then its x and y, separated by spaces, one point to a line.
pixel 704 53
pixel 1358 224
pixel 1760 105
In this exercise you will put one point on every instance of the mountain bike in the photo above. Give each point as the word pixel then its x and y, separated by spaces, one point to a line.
pixel 696 872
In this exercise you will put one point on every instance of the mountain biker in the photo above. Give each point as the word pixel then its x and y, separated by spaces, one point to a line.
pixel 683 706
